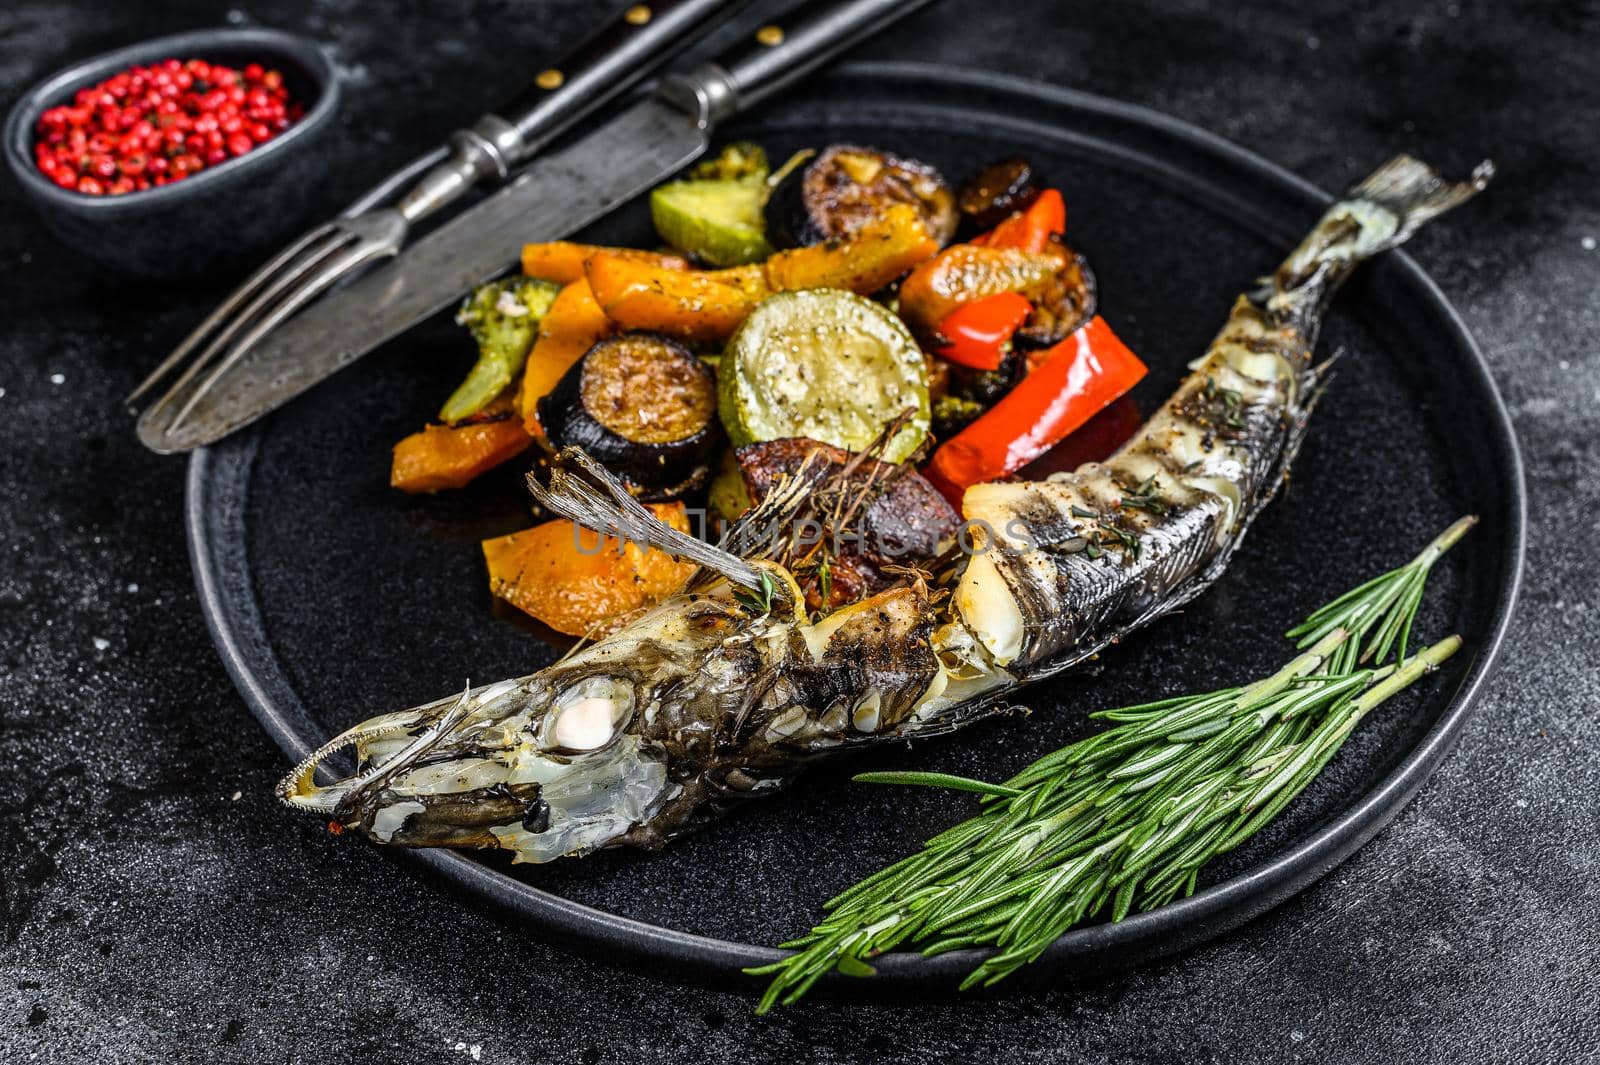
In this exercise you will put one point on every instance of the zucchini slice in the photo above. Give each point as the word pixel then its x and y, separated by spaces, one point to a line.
pixel 824 364
pixel 715 214
pixel 717 222
pixel 643 405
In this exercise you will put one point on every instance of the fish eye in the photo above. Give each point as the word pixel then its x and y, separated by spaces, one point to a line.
pixel 588 715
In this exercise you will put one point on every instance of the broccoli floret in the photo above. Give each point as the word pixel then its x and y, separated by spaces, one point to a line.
pixel 951 414
pixel 503 317
pixel 740 161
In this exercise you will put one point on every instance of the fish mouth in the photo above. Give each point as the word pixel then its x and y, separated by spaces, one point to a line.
pixel 543 770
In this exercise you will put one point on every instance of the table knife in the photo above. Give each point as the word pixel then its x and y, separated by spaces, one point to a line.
pixel 558 194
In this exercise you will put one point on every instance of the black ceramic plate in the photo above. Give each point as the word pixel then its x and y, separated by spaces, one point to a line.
pixel 332 597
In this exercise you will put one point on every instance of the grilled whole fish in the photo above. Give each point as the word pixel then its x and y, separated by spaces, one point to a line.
pixel 725 691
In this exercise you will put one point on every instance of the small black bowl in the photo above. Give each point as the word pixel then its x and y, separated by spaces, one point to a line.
pixel 226 214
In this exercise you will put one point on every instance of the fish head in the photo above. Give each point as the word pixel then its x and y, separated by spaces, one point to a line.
pixel 558 763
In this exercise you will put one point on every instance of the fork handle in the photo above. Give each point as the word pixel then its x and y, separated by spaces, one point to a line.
pixel 619 55
pixel 780 54
pixel 799 42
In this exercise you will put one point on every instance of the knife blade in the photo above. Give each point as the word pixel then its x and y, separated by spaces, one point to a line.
pixel 557 195
pixel 554 197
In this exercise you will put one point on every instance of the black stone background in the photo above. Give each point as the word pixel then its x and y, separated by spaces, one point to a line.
pixel 158 906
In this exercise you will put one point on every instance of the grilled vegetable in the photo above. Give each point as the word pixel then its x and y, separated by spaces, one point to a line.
pixel 1061 304
pixel 716 222
pixel 694 305
pixel 707 306
pixel 1068 299
pixel 965 273
pixel 1032 229
pixel 847 188
pixel 562 261
pixel 1056 281
pixel 978 334
pixel 715 215
pixel 827 365
pixel 1076 380
pixel 902 518
pixel 574 324
pixel 451 456
pixel 994 193
pixel 643 405
pixel 953 413
pixel 503 317
pixel 573 580
pixel 864 262
pixel 739 161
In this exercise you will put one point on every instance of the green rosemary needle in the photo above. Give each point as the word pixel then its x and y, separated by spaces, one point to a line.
pixel 1124 820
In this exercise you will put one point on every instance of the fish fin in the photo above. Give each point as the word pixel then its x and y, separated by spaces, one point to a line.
pixel 957 717
pixel 1379 213
pixel 805 492
pixel 760 531
pixel 586 493
pixel 1414 192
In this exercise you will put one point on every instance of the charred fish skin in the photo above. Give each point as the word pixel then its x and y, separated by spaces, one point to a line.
pixel 715 697
pixel 800 692
pixel 1081 558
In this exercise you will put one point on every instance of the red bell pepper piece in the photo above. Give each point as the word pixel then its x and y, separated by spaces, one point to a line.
pixel 976 333
pixel 1030 230
pixel 1095 441
pixel 1077 379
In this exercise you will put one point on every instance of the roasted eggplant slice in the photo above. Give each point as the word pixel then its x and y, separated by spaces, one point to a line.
pixel 990 196
pixel 643 405
pixel 1060 305
pixel 901 518
pixel 846 187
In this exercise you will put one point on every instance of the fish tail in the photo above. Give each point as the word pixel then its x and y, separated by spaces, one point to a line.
pixel 1414 192
pixel 1379 213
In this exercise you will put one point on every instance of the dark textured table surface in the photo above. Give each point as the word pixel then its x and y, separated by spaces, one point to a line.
pixel 158 906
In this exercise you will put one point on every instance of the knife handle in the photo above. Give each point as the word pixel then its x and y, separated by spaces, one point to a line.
pixel 626 49
pixel 782 53
pixel 620 54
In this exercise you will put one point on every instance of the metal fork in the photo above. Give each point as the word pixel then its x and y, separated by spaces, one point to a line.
pixel 287 282
pixel 619 55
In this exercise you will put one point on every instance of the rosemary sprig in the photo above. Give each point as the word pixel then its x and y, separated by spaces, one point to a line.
pixel 1395 595
pixel 1124 820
